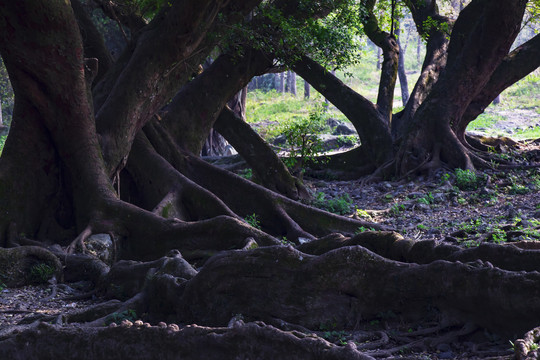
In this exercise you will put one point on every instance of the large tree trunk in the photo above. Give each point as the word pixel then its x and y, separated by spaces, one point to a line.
pixel 434 61
pixel 484 30
pixel 51 93
pixel 193 111
pixel 515 66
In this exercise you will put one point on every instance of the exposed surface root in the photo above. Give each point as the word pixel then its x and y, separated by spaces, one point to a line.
pixel 141 341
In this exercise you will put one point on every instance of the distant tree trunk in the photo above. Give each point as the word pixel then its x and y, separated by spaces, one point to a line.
pixel 401 68
pixel 389 67
pixel 281 88
pixel 238 103
pixel 497 100
pixel 292 82
pixel 307 90
pixel 379 58
pixel 419 50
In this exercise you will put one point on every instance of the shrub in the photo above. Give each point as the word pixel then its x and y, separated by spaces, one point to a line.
pixel 341 205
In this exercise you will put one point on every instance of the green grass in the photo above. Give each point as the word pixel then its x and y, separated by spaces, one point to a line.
pixel 485 122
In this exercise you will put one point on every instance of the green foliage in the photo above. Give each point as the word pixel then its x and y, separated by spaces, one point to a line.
pixel 332 39
pixel 499 236
pixel 166 210
pixel 341 205
pixel 363 214
pixel 129 314
pixel 340 337
pixel 41 272
pixel 362 229
pixel 253 221
pixel 302 139
pixel 246 174
pixel 2 286
pixel 7 98
pixel 428 199
pixel 467 179
pixel 396 209
pixel 2 143
pixel 430 24
pixel 284 241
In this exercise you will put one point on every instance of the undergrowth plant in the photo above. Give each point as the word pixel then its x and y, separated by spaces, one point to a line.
pixel 129 314
pixel 41 272
pixel 468 180
pixel 341 205
pixel 253 220
pixel 2 143
pixel 302 139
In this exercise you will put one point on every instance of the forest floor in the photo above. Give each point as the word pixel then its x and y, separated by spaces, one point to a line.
pixel 454 207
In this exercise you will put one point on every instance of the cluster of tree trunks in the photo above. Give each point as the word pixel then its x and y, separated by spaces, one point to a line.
pixel 98 146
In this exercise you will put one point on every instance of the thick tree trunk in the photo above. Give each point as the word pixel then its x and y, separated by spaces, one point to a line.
pixel 193 111
pixel 515 66
pixel 484 30
pixel 51 89
pixel 401 69
pixel 149 69
pixel 94 45
pixel 434 61
pixel 292 82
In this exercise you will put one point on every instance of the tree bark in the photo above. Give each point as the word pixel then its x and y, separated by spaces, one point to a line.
pixel 401 68
pixel 292 82
pixel 193 111
pixel 434 61
pixel 515 66
pixel 389 66
pixel 481 31
pixel 307 90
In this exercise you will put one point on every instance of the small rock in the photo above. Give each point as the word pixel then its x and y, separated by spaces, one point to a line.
pixel 173 327
pixel 161 324
pixel 126 323
pixel 343 129
pixel 332 122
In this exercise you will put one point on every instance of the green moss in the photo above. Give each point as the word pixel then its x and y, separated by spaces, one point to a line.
pixel 165 212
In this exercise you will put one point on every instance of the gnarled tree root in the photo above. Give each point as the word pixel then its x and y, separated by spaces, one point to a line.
pixel 351 284
pixel 251 340
pixel 24 265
